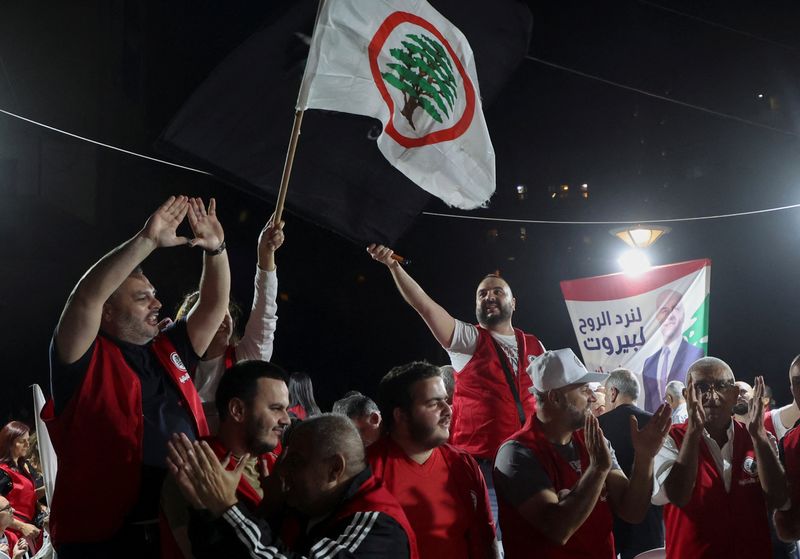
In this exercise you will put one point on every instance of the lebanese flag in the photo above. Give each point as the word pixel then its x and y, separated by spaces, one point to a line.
pixel 402 62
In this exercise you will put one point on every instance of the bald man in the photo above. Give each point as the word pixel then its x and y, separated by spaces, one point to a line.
pixel 716 476
pixel 338 509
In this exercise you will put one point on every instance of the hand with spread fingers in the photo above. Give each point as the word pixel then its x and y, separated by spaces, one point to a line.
pixel 213 485
pixel 599 454
pixel 695 424
pixel 208 232
pixel 754 420
pixel 649 439
pixel 162 226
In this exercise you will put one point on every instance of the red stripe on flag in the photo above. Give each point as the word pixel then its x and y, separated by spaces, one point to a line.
pixel 620 286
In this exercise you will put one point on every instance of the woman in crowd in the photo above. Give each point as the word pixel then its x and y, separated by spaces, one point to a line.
pixel 14 444
pixel 301 396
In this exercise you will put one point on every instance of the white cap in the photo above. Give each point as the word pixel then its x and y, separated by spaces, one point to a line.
pixel 559 368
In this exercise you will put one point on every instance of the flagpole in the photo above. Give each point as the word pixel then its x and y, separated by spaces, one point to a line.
pixel 287 166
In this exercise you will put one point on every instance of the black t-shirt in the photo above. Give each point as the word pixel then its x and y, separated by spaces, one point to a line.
pixel 162 406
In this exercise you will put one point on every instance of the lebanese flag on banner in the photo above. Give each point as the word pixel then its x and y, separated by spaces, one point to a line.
pixel 402 62
pixel 654 324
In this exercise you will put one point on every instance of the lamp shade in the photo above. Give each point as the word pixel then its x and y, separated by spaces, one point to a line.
pixel 640 236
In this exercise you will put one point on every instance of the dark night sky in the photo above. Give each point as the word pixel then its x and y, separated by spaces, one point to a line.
pixel 118 71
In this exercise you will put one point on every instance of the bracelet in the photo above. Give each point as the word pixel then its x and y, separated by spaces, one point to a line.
pixel 217 250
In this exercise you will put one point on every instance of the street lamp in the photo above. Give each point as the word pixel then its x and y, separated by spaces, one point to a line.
pixel 640 236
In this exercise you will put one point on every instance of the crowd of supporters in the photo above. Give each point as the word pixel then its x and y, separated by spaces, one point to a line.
pixel 179 438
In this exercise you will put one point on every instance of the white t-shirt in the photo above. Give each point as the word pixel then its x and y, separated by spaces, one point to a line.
pixel 465 341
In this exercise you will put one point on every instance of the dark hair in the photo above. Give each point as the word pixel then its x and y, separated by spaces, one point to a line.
pixel 8 437
pixel 190 299
pixel 240 382
pixel 355 405
pixel 301 392
pixel 394 390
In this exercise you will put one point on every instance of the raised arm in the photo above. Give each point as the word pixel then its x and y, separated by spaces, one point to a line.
pixel 679 484
pixel 630 498
pixel 441 324
pixel 205 317
pixel 770 472
pixel 80 319
pixel 259 333
pixel 558 517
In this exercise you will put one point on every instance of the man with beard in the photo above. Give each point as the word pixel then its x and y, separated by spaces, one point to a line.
pixel 120 388
pixel 558 481
pixel 252 398
pixel 440 487
pixel 676 354
pixel 492 396
pixel 717 477
pixel 743 400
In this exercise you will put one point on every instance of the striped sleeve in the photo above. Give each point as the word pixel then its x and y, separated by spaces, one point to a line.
pixel 365 535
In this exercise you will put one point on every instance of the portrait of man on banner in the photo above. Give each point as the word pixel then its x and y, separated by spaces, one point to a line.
pixel 672 360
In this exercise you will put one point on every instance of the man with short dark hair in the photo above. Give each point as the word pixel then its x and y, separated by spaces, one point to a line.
pixel 252 399
pixel 440 487
pixel 339 510
pixel 492 396
pixel 622 392
pixel 364 414
pixel 120 387
pixel 717 477
pixel 557 479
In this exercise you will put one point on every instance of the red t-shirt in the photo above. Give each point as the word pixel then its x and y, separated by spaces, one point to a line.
pixel 436 507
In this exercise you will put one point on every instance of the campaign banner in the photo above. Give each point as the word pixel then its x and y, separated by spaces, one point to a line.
pixel 654 324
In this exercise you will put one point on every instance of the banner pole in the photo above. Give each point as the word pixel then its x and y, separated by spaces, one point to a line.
pixel 287 166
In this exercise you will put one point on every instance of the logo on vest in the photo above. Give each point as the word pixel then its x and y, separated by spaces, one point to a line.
pixel 184 378
pixel 176 360
pixel 751 468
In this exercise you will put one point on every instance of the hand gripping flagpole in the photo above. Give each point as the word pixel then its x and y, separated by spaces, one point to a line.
pixel 287 166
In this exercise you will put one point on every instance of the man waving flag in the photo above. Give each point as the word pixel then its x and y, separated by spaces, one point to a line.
pixel 402 62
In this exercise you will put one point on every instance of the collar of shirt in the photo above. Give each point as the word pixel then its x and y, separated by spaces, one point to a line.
pixel 722 456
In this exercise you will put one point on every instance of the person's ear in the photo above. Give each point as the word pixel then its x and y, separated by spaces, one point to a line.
pixel 399 416
pixel 375 419
pixel 337 467
pixel 237 409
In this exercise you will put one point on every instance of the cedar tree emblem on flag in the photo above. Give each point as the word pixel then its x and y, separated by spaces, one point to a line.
pixel 424 75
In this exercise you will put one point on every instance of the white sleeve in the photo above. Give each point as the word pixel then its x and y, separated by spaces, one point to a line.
pixel 465 340
pixel 662 466
pixel 259 333
pixel 207 376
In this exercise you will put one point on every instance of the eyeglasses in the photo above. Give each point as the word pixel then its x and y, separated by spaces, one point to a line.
pixel 7 508
pixel 719 386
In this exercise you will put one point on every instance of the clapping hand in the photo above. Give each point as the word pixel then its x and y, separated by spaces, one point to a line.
pixel 599 455
pixel 754 420
pixel 648 440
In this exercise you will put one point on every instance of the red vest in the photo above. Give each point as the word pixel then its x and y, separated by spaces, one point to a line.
pixel 98 441
pixel 23 496
pixel 715 523
pixel 593 539
pixel 791 461
pixel 484 410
